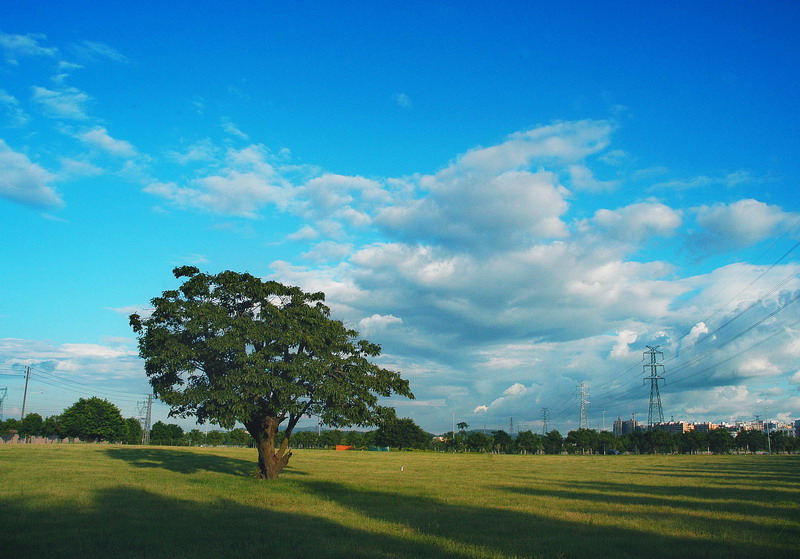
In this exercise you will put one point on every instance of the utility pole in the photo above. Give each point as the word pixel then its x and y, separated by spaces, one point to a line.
pixel 583 423
pixel 604 420
pixel 545 419
pixel 3 394
pixel 654 411
pixel 25 394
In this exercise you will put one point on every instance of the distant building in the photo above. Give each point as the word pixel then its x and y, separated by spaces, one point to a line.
pixel 674 427
pixel 625 427
pixel 705 427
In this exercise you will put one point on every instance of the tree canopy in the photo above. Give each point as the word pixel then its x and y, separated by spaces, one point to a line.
pixel 402 433
pixel 93 419
pixel 233 348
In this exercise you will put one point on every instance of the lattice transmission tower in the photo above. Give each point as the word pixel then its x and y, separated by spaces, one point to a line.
pixel 654 412
pixel 145 417
pixel 3 394
pixel 545 420
pixel 584 392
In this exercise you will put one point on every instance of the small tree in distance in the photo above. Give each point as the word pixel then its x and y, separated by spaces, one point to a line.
pixel 233 348
pixel 93 419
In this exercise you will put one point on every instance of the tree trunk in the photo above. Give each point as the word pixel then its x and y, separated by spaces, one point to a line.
pixel 270 461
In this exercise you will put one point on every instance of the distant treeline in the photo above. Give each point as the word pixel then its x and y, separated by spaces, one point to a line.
pixel 94 419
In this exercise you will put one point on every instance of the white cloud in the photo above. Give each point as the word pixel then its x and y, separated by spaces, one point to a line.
pixel 327 251
pixel 14 112
pixel 703 181
pixel 17 46
pixel 638 221
pixel 247 183
pixel 305 233
pixel 741 223
pixel 582 178
pixel 92 51
pixel 376 323
pixel 622 348
pixel 516 389
pixel 231 129
pixel 100 138
pixel 73 168
pixel 560 143
pixel 202 151
pixel 67 102
pixel 25 182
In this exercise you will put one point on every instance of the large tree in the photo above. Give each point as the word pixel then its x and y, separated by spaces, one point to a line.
pixel 232 348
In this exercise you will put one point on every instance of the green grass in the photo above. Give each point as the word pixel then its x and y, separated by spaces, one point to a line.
pixel 112 501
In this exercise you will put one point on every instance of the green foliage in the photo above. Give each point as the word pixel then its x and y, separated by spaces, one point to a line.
pixel 479 442
pixel 165 434
pixel 238 437
pixel 502 441
pixel 133 431
pixel 527 442
pixel 720 441
pixel 52 426
pixel 93 419
pixel 402 433
pixel 330 438
pixel 553 442
pixel 305 439
pixel 32 425
pixel 9 426
pixel 195 437
pixel 751 440
pixel 215 438
pixel 232 348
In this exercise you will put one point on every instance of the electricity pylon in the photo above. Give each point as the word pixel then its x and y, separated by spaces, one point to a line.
pixel 654 411
pixel 584 421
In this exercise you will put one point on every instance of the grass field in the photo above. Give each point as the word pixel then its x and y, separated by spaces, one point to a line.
pixel 112 501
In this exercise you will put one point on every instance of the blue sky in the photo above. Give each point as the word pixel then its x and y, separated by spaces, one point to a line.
pixel 511 199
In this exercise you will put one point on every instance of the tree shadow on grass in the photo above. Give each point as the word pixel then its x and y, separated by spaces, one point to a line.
pixel 126 522
pixel 531 534
pixel 774 506
pixel 776 469
pixel 181 461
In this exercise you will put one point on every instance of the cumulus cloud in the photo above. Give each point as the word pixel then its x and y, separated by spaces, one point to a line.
pixel 741 223
pixel 377 323
pixel 622 347
pixel 582 178
pixel 327 251
pixel 99 137
pixel 638 221
pixel 25 182
pixel 248 182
